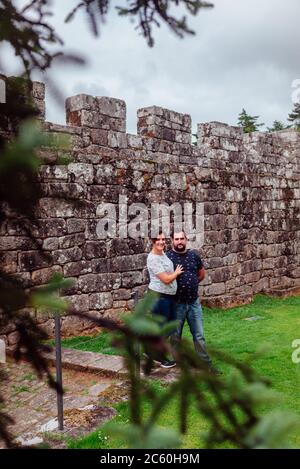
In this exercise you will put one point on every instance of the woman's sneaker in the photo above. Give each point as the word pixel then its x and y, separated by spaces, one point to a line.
pixel 167 363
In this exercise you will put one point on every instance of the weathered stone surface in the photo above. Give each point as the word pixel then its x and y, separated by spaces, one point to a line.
pixel 122 294
pixel 99 282
pixel 33 260
pixel 248 184
pixel 11 243
pixel 94 249
pixel 78 303
pixel 101 300
pixel 77 268
pixel 81 172
pixel 71 240
pixel 9 261
pixel 62 256
pixel 75 225
pixel 124 263
pixel 42 276
pixel 2 351
pixel 50 244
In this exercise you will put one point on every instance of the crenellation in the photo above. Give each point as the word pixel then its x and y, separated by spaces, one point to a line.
pixel 248 184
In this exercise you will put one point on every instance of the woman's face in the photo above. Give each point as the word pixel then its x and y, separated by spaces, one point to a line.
pixel 160 242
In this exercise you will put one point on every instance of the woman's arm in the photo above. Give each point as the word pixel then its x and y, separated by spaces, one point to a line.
pixel 169 277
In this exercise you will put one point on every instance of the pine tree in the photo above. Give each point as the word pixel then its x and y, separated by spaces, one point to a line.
pixel 294 116
pixel 277 125
pixel 248 123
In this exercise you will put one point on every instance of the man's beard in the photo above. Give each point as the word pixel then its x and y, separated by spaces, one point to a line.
pixel 180 248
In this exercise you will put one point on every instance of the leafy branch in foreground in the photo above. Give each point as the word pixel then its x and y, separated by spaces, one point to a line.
pixel 230 404
pixel 33 39
pixel 147 13
pixel 19 195
pixel 156 12
pixel 28 32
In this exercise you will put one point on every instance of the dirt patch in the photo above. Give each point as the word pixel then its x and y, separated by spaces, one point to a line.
pixel 115 393
pixel 78 423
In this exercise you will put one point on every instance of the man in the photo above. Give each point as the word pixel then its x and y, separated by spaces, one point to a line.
pixel 187 301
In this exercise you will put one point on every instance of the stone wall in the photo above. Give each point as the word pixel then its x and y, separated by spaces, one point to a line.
pixel 248 184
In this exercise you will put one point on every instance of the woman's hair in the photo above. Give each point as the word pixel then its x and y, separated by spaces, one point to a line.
pixel 160 232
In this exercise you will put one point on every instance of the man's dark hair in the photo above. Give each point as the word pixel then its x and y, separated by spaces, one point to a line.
pixel 177 231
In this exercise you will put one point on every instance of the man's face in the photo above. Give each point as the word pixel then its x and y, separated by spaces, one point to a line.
pixel 179 242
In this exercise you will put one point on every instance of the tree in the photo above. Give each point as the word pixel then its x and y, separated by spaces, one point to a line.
pixel 277 125
pixel 36 44
pixel 248 123
pixel 29 34
pixel 294 116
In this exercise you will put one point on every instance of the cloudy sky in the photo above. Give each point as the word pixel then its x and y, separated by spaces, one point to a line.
pixel 245 54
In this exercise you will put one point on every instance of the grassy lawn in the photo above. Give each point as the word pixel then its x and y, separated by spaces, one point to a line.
pixel 277 325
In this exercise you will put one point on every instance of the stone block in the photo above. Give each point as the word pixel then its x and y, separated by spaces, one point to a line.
pixel 124 263
pixel 72 240
pixel 33 260
pixel 2 351
pixel 75 225
pixel 111 107
pixel 50 244
pixel 94 249
pixel 215 289
pixel 100 301
pixel 42 276
pixel 81 172
pixel 77 268
pixel 62 256
pixel 78 303
pixel 9 261
pixel 122 294
pixel 79 102
pixel 99 282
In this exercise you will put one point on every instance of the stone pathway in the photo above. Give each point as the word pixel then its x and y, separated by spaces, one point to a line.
pixel 92 382
pixel 32 404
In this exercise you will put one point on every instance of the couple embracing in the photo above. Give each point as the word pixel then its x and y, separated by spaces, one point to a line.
pixel 175 276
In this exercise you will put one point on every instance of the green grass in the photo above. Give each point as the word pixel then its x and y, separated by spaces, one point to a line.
pixel 228 331
pixel 99 343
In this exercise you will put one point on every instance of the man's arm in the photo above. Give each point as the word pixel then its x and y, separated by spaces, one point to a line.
pixel 201 274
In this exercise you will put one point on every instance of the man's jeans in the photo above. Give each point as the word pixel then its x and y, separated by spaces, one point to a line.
pixel 193 314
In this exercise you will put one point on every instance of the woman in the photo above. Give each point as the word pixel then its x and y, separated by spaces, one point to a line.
pixel 163 281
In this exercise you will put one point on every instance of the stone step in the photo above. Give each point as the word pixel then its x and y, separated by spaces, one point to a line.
pixel 283 292
pixel 92 362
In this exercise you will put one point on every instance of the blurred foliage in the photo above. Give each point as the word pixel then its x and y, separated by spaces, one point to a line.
pixel 36 43
pixel 231 404
pixel 232 414
pixel 20 141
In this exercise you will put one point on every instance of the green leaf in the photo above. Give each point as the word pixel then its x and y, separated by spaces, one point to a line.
pixel 168 328
pixel 47 298
pixel 46 302
pixel 272 431
pixel 143 326
pixel 145 305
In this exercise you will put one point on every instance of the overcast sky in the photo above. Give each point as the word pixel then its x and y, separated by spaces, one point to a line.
pixel 245 54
